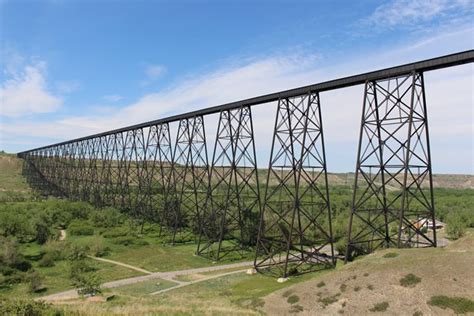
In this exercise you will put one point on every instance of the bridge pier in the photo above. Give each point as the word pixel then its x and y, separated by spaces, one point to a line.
pixel 393 189
pixel 295 223
pixel 233 199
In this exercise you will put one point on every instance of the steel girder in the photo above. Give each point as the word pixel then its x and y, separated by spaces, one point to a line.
pixel 233 199
pixel 295 233
pixel 393 190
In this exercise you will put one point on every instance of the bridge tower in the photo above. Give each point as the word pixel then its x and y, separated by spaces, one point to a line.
pixel 393 190
pixel 295 234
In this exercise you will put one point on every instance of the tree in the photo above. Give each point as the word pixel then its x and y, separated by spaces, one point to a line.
pixel 35 281
pixel 43 231
pixel 88 284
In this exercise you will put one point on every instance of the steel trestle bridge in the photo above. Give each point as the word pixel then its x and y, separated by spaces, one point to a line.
pixel 228 206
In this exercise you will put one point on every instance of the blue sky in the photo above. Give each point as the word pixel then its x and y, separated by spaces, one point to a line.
pixel 73 68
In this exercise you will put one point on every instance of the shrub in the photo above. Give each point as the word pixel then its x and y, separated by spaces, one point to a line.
pixel 459 305
pixel 76 252
pixel 77 228
pixel 35 282
pixel 115 232
pixel 88 284
pixel 58 250
pixel 321 284
pixel 455 226
pixel 409 280
pixel 78 268
pixel 390 255
pixel 293 299
pixel 379 307
pixel 296 308
pixel 98 249
pixel 26 307
pixel 43 230
pixel 341 246
pixel 329 300
pixel 357 288
pixel 47 260
pixel 343 287
pixel 107 217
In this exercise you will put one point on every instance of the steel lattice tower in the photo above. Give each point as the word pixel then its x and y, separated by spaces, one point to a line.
pixel 295 226
pixel 233 199
pixel 393 190
pixel 190 177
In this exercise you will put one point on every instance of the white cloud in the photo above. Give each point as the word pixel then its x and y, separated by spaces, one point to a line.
pixel 26 93
pixel 112 98
pixel 415 12
pixel 449 94
pixel 154 71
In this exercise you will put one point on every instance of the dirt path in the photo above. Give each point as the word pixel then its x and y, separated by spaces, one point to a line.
pixel 169 276
pixel 121 264
pixel 62 234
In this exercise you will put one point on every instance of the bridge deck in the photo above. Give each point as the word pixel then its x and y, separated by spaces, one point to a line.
pixel 420 66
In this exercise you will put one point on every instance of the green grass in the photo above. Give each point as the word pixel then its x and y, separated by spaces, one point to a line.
pixel 379 307
pixel 143 288
pixel 390 255
pixel 459 305
pixel 10 174
pixel 409 280
pixel 56 278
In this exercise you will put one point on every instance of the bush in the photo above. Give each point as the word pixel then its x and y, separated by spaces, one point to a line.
pixel 390 255
pixel 43 230
pixel 379 307
pixel 115 232
pixel 341 246
pixel 26 308
pixel 88 284
pixel 58 250
pixel 35 282
pixel 409 280
pixel 98 249
pixel 455 226
pixel 459 305
pixel 47 260
pixel 293 299
pixel 77 228
pixel 107 217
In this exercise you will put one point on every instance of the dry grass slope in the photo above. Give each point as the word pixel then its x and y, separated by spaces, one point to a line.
pixel 378 283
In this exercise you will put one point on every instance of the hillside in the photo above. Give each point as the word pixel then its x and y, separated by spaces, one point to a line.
pixel 356 288
pixel 10 174
pixel 11 179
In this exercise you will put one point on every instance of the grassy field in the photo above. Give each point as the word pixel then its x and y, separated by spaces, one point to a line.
pixel 442 272
pixel 436 282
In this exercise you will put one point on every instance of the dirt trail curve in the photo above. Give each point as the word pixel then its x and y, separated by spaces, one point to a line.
pixel 170 276
pixel 121 264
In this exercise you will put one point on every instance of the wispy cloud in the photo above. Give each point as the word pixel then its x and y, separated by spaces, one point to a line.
pixel 112 98
pixel 153 72
pixel 414 13
pixel 25 92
